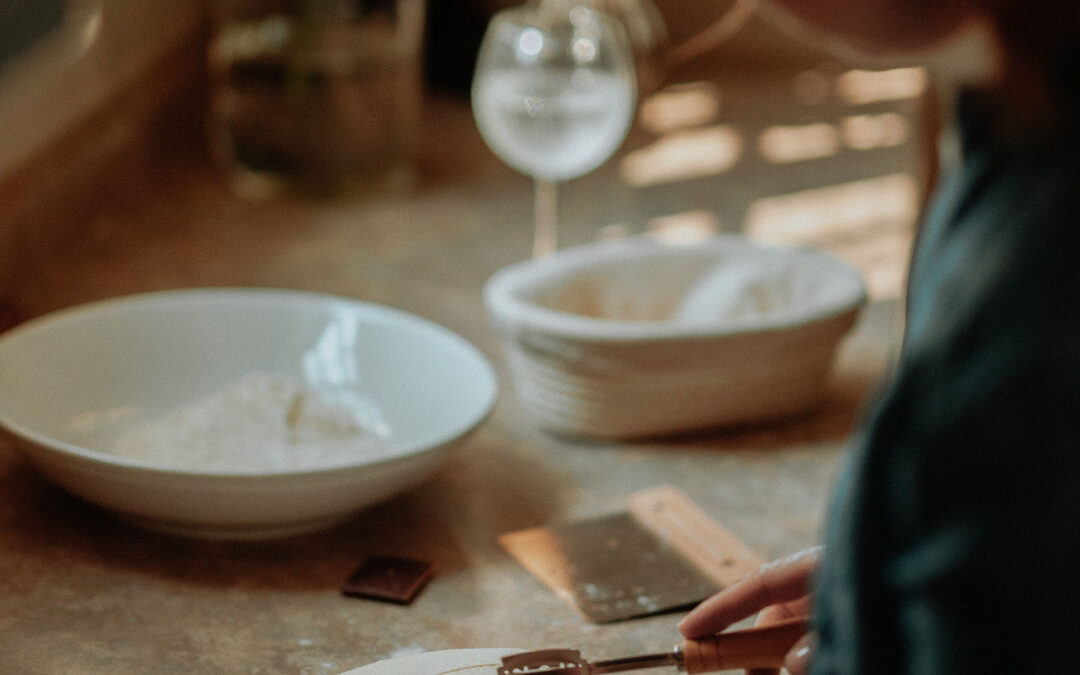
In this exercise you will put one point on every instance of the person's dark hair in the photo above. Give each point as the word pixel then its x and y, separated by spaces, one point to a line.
pixel 1041 39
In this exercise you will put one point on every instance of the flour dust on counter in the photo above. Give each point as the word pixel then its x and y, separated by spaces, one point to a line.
pixel 263 422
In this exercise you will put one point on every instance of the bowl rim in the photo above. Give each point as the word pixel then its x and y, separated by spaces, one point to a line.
pixel 512 314
pixel 45 443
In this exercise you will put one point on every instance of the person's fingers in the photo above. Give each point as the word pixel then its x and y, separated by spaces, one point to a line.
pixel 785 610
pixel 797 661
pixel 774 613
pixel 774 583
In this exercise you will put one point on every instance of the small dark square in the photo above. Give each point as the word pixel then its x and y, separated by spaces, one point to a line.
pixel 388 578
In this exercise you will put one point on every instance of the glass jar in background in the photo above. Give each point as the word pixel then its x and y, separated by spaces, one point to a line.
pixel 318 97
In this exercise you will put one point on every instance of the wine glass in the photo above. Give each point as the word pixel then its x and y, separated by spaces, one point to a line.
pixel 554 94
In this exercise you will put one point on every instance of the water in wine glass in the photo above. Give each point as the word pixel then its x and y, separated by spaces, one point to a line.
pixel 554 94
pixel 553 124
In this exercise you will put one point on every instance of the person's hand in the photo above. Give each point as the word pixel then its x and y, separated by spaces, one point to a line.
pixel 778 590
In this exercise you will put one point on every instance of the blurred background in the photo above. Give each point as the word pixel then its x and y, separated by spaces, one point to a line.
pixel 107 105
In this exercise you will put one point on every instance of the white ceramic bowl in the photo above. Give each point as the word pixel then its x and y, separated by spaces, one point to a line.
pixel 74 380
pixel 636 338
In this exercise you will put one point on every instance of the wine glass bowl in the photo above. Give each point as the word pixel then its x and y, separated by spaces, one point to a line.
pixel 554 92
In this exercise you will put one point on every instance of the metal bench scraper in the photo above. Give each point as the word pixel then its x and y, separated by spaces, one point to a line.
pixel 663 553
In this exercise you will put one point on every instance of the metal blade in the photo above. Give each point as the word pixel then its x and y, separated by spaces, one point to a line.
pixel 569 662
pixel 547 661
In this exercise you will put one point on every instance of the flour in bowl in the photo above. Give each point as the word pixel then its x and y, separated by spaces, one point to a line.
pixel 262 422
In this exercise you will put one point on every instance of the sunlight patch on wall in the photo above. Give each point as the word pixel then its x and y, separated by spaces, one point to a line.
pixel 685 229
pixel 869 223
pixel 867 132
pixel 683 155
pixel 812 213
pixel 681 106
pixel 787 144
pixel 859 87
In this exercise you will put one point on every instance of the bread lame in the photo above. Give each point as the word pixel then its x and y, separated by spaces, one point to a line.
pixel 758 647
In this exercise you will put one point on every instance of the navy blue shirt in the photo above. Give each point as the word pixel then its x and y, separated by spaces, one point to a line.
pixel 953 544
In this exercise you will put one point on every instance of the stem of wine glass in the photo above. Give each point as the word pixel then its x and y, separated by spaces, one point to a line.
pixel 545 215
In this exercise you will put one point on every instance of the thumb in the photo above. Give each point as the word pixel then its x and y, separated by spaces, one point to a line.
pixel 797 661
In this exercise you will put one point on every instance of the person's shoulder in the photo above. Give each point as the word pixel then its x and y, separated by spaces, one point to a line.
pixel 1023 222
pixel 1006 269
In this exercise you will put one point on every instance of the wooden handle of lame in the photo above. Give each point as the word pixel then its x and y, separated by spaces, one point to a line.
pixel 758 647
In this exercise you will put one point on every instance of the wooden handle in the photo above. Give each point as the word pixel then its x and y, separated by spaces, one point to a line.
pixel 758 647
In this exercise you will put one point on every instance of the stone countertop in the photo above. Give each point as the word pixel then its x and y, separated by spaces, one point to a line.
pixel 82 592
